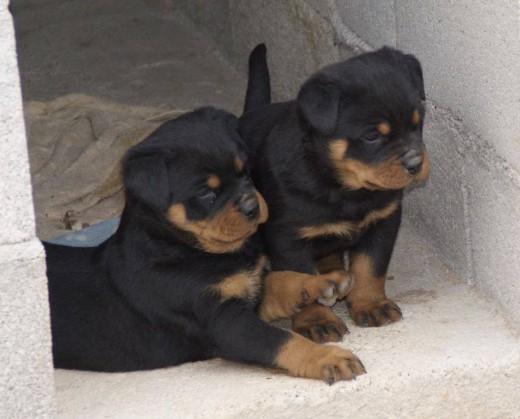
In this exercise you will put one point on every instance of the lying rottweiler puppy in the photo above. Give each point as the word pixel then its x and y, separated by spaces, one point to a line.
pixel 332 166
pixel 184 277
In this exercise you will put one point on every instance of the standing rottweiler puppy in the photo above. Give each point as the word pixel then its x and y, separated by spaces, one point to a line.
pixel 332 166
pixel 184 277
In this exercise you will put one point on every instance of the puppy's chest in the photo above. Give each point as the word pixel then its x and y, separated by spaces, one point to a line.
pixel 245 284
pixel 344 227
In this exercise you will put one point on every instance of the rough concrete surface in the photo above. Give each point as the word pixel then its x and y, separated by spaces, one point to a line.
pixel 453 356
pixel 123 51
pixel 298 34
pixel 26 380
pixel 469 209
pixel 16 208
pixel 470 51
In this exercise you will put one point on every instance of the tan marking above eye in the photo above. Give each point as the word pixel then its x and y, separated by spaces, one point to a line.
pixel 338 148
pixel 384 128
pixel 213 181
pixel 416 117
pixel 239 164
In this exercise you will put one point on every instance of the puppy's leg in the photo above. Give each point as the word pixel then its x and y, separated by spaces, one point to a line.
pixel 240 335
pixel 294 255
pixel 367 301
pixel 285 292
pixel 287 253
pixel 319 323
pixel 329 263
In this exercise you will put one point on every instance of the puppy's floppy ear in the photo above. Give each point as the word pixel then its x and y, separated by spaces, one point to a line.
pixel 318 101
pixel 416 74
pixel 145 177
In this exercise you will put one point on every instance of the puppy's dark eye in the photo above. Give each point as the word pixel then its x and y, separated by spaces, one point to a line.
pixel 372 137
pixel 207 196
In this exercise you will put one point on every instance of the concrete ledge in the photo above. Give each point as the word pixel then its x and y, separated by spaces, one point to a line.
pixel 26 381
pixel 452 356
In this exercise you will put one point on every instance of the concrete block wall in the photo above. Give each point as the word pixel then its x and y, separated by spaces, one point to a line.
pixel 470 51
pixel 26 380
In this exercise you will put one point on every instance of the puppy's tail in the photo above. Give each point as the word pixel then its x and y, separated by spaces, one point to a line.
pixel 258 85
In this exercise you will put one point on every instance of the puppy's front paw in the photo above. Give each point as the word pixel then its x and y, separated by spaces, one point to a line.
pixel 326 289
pixel 319 323
pixel 374 314
pixel 334 364
pixel 303 358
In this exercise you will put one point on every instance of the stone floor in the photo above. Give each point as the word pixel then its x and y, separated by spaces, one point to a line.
pixel 453 355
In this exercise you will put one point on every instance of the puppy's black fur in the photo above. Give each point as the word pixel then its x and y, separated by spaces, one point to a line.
pixel 181 279
pixel 143 298
pixel 332 166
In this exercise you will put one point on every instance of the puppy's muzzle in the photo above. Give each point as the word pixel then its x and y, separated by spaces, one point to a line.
pixel 412 161
pixel 248 205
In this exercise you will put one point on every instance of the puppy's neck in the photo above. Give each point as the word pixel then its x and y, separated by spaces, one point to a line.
pixel 145 230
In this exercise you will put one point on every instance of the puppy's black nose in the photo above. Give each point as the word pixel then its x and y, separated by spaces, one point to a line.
pixel 248 205
pixel 412 161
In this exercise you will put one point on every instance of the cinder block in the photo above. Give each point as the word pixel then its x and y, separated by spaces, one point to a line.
pixel 438 208
pixel 16 208
pixel 212 17
pixel 372 20
pixel 470 52
pixel 26 375
pixel 299 37
pixel 493 203
pixel 469 209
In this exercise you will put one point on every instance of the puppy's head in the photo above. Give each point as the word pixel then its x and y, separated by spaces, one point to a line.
pixel 366 118
pixel 191 174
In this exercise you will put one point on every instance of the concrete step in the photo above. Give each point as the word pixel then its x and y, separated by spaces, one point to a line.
pixel 453 356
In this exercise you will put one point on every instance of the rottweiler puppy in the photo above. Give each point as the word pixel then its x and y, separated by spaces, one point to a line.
pixel 332 166
pixel 184 277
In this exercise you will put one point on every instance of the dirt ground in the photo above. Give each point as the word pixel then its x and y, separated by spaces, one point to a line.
pixel 97 77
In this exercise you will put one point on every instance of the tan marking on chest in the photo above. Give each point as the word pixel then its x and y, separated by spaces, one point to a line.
pixel 347 229
pixel 245 284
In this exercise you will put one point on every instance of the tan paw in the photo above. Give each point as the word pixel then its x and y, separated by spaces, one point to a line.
pixel 375 314
pixel 319 324
pixel 336 364
pixel 303 358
